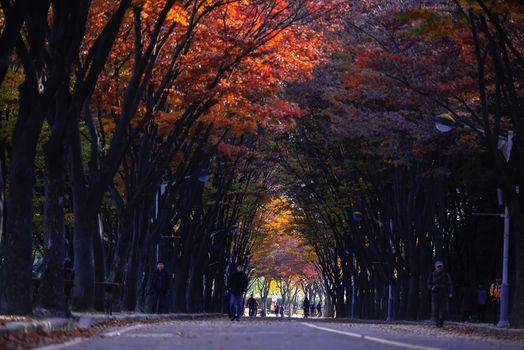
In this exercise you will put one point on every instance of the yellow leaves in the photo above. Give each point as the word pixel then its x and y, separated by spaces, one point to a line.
pixel 178 15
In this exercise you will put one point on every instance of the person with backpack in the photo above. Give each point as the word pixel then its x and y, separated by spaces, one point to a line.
pixel 494 292
pixel 440 285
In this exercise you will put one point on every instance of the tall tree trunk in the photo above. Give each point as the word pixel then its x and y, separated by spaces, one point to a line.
pixel 99 263
pixel 403 295
pixel 179 286
pixel 51 291
pixel 413 294
pixel 86 223
pixel 438 238
pixel 131 280
pixel 121 255
pixel 2 190
pixel 16 296
pixel 84 285
pixel 194 290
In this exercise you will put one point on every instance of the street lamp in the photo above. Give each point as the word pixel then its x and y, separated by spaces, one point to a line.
pixel 445 123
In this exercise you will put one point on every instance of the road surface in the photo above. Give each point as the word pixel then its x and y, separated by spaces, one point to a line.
pixel 274 334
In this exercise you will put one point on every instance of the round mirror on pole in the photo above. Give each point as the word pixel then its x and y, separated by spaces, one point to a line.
pixel 445 122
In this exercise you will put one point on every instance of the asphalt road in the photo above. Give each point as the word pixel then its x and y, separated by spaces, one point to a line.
pixel 258 334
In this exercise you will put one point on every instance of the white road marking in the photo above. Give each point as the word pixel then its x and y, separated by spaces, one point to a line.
pixel 122 331
pixel 61 346
pixel 152 335
pixel 375 339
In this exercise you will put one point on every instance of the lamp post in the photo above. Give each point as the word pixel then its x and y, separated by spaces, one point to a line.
pixel 445 123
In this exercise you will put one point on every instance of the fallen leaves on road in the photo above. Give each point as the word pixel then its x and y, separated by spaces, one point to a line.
pixel 41 338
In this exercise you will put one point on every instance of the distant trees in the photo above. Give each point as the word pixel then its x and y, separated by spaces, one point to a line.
pixel 280 255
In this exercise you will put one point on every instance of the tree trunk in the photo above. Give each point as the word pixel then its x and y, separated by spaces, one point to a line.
pixel 412 301
pixel 194 290
pixel 131 279
pixel 51 291
pixel 99 265
pixel 84 285
pixel 86 223
pixel 2 190
pixel 16 296
pixel 120 257
pixel 179 286
pixel 340 305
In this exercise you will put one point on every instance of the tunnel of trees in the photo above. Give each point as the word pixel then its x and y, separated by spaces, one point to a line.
pixel 295 138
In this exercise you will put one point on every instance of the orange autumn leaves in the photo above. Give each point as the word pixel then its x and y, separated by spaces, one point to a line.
pixel 280 253
pixel 238 54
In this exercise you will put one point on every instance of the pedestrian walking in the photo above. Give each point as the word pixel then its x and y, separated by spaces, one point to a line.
pixel 312 309
pixel 482 300
pixel 251 305
pixel 306 305
pixel 277 309
pixel 281 310
pixel 159 288
pixel 256 309
pixel 319 310
pixel 494 293
pixel 237 286
pixel 439 283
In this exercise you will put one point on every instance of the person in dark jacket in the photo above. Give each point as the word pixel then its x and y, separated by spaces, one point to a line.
pixel 439 283
pixel 251 304
pixel 237 287
pixel 159 288
pixel 306 305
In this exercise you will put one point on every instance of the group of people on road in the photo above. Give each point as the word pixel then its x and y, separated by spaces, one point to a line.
pixel 441 287
pixel 439 283
pixel 310 309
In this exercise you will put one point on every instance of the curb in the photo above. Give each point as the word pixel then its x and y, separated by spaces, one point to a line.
pixel 82 321
pixel 48 325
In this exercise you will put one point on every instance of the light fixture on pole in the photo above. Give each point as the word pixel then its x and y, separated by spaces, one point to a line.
pixel 445 122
